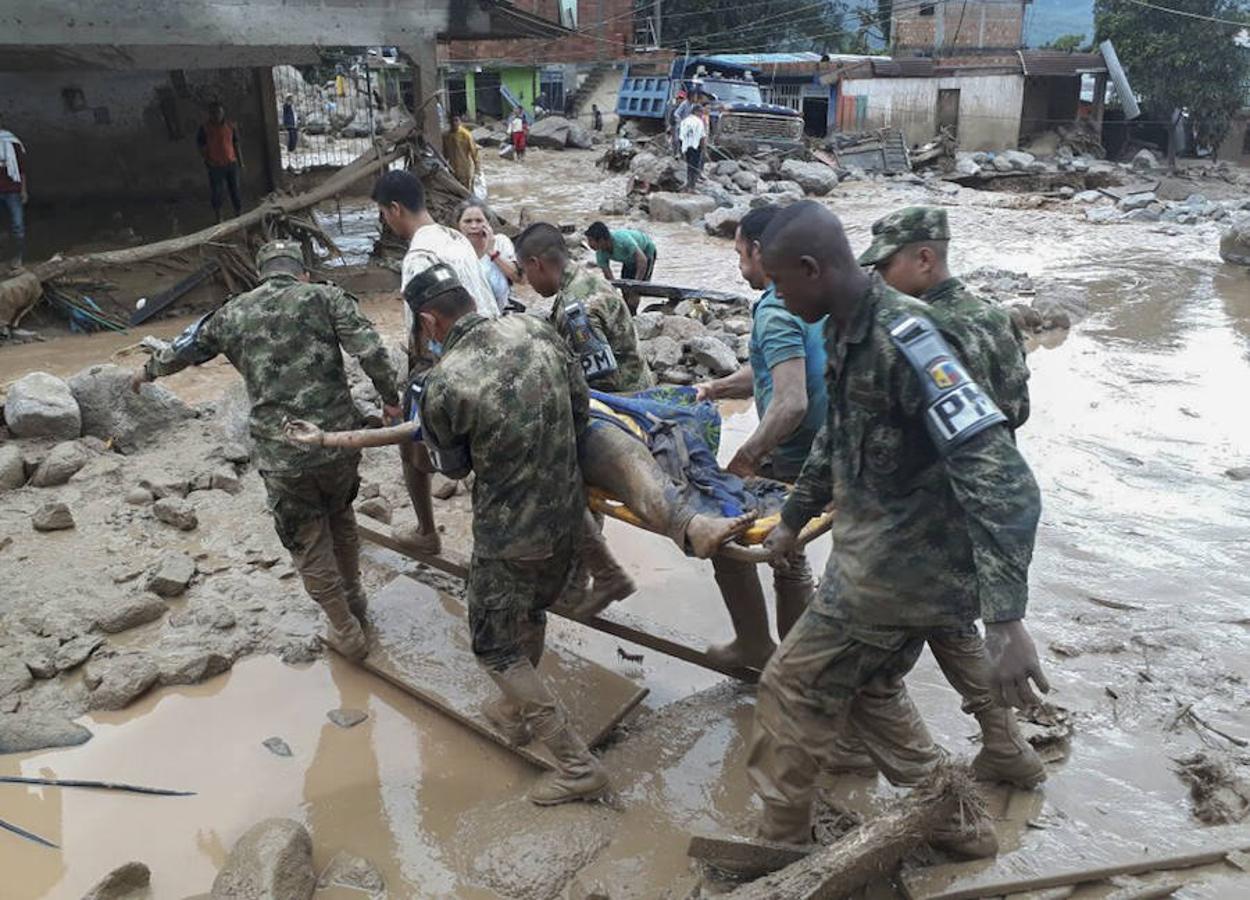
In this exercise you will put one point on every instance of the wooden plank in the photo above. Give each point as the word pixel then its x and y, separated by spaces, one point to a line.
pixel 419 641
pixel 742 856
pixel 673 292
pixel 620 624
pixel 167 297
pixel 942 882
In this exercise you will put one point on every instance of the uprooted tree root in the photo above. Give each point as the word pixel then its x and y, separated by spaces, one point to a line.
pixel 1220 795
pixel 875 848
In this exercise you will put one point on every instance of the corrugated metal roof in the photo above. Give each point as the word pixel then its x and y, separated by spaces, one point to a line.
pixel 762 59
pixel 1058 63
pixel 907 67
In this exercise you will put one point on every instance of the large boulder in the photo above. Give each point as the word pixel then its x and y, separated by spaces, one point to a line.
pixel 661 173
pixel 1141 200
pixel 661 353
pixel 42 405
pixel 61 464
pixel 550 133
pixel 272 861
pixel 580 137
pixel 724 222
pixel 1235 242
pixel 646 325
pixel 713 353
pixel 29 730
pixel 682 328
pixel 12 468
pixel 110 409
pixel 814 177
pixel 127 882
pixel 485 136
pixel 1144 161
pixel 1019 159
pixel 672 207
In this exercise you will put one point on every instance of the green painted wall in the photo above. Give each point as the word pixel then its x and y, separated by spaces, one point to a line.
pixel 523 82
pixel 470 98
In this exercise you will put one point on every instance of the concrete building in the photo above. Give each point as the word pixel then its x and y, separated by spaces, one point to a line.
pixel 108 94
pixel 480 75
pixel 957 26
pixel 989 103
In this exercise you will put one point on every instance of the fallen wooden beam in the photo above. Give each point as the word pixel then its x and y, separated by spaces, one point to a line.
pixel 932 883
pixel 619 624
pixel 744 857
pixel 167 297
pixel 673 292
pixel 870 851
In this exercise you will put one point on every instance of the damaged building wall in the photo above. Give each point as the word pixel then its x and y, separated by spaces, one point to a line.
pixel 131 135
pixel 941 24
pixel 987 107
pixel 1048 102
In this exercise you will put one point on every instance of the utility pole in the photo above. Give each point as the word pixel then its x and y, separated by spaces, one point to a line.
pixel 657 22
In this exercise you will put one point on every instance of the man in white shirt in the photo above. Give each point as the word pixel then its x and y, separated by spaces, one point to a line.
pixel 693 136
pixel 400 197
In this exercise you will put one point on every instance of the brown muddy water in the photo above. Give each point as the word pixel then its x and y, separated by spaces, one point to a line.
pixel 1136 415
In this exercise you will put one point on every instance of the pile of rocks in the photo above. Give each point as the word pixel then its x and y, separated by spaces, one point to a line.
pixel 1034 305
pixel 696 342
pixel 986 163
pixel 1147 206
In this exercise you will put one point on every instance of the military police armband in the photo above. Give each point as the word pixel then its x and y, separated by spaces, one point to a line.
pixel 955 407
pixel 595 355
pixel 186 346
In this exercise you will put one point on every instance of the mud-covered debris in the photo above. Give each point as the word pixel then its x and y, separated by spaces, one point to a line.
pixel 442 487
pixel 123 883
pixel 350 871
pixel 52 517
pixel 273 860
pixel 12 468
pixel 1048 728
pixel 1220 794
pixel 42 405
pixel 376 508
pixel 176 512
pixel 277 746
pixel 172 576
pixel 27 731
pixel 139 496
pixel 118 681
pixel 61 464
pixel 347 718
pixel 75 652
pixel 226 479
pixel 129 612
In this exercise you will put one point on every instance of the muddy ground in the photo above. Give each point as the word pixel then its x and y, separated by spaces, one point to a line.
pixel 1138 606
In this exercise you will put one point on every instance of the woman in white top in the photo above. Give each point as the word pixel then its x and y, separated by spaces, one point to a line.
pixel 495 253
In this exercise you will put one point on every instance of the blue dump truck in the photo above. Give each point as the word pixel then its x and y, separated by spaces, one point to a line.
pixel 741 120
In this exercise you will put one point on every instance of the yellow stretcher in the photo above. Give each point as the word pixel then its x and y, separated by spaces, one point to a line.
pixel 748 547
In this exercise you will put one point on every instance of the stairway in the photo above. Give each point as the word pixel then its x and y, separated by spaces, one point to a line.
pixel 589 85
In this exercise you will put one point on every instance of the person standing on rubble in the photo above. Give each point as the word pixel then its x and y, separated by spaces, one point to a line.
pixel 286 339
pixel 289 123
pixel 461 152
pixel 936 518
pixel 400 197
pixel 786 376
pixel 584 296
pixel 13 188
pixel 693 136
pixel 218 140
pixel 908 251
pixel 596 117
pixel 507 401
pixel 518 133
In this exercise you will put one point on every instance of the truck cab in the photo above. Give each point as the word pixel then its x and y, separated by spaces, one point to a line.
pixel 740 119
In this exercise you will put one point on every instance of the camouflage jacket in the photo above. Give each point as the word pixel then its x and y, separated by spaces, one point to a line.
pixel 509 391
pixel 284 338
pixel 993 348
pixel 919 540
pixel 610 319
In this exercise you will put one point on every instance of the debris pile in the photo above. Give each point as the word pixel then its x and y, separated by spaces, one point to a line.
pixel 696 342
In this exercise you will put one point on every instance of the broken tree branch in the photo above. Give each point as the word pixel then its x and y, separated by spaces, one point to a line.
pixel 101 785
pixel 871 850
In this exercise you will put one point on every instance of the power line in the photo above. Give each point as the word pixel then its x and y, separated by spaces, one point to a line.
pixel 1191 15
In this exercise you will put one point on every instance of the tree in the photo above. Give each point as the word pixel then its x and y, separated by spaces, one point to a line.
pixel 752 26
pixel 1179 62
pixel 1068 43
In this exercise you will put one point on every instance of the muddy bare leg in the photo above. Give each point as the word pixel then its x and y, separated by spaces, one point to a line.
pixel 794 587
pixel 417 468
pixel 347 554
pixel 740 588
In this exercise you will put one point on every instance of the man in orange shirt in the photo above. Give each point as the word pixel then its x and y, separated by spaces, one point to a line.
pixel 218 140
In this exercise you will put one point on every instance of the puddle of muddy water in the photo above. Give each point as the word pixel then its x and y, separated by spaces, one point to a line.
pixel 1135 417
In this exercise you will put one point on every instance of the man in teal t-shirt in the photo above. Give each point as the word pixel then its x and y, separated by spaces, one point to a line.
pixel 633 249
pixel 786 378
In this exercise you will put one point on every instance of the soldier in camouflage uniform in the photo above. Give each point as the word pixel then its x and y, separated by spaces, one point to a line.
pixel 909 252
pixel 284 338
pixel 507 401
pixel 544 257
pixel 937 514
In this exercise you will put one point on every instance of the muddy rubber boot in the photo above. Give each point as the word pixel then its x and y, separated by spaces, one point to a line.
pixel 793 597
pixel 357 600
pixel 744 598
pixel 579 776
pixel 611 583
pixel 785 825
pixel 344 633
pixel 1005 755
pixel 849 756
pixel 966 837
pixel 505 716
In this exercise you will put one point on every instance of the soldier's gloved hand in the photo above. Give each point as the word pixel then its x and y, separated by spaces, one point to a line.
pixel 1014 661
pixel 780 543
pixel 300 432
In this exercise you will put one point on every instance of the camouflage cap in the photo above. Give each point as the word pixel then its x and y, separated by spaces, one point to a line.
pixel 910 225
pixel 433 282
pixel 273 250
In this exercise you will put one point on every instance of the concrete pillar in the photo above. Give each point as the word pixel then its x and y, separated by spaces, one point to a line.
pixel 268 99
pixel 423 57
pixel 470 94
pixel 1100 101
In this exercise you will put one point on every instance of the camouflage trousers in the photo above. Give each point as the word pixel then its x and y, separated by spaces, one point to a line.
pixel 312 513
pixel 831 678
pixel 508 600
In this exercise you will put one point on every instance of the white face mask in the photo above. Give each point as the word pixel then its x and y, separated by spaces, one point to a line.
pixel 436 348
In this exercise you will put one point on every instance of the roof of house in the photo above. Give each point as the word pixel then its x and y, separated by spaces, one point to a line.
pixel 1058 63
